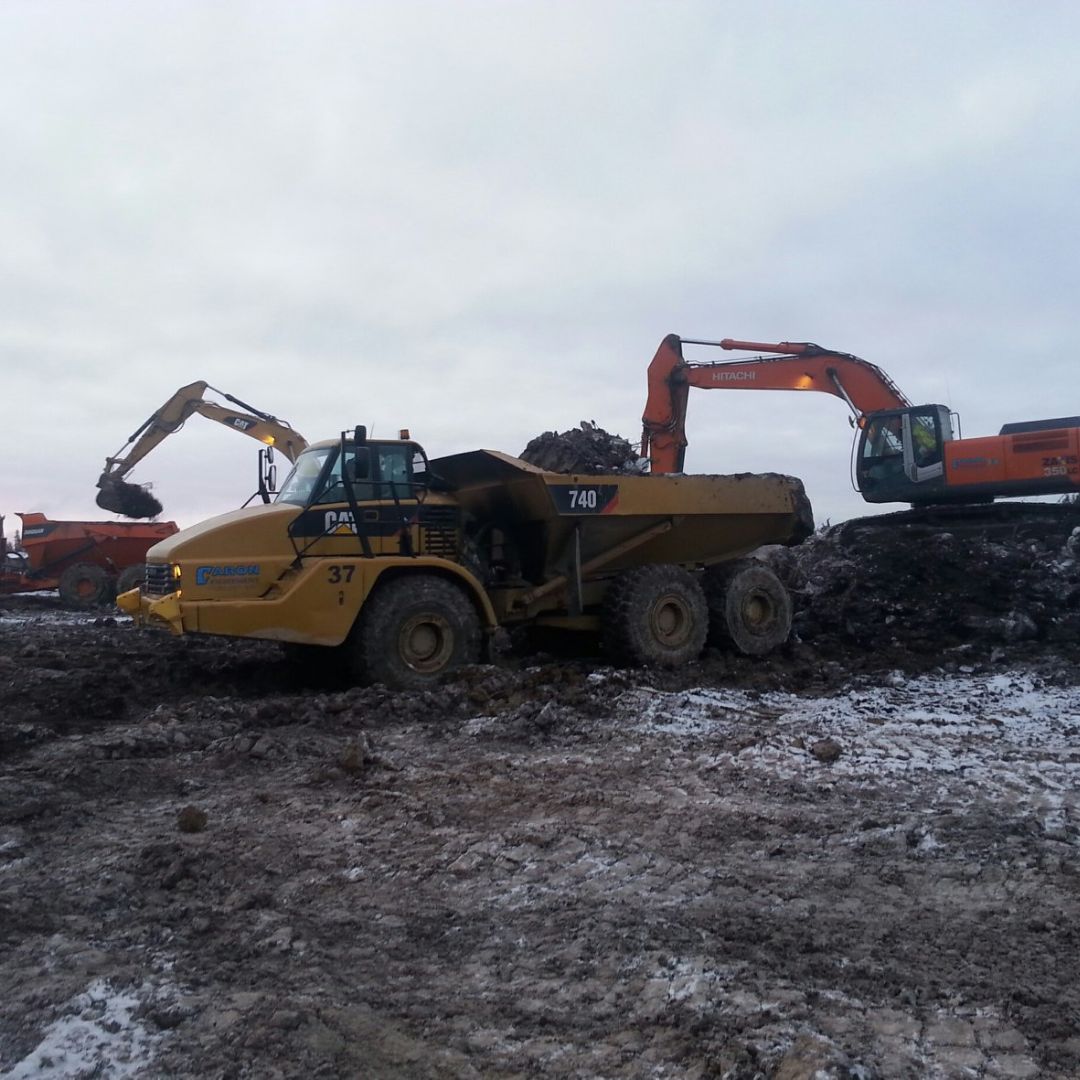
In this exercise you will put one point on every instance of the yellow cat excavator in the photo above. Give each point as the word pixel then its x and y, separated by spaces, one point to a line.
pixel 132 500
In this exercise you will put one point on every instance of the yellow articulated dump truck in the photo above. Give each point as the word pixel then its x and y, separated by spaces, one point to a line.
pixel 408 566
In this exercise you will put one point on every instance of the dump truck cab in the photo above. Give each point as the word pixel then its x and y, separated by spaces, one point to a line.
pixel 410 565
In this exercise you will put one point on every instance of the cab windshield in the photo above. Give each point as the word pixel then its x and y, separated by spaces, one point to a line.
pixel 300 483
pixel 389 474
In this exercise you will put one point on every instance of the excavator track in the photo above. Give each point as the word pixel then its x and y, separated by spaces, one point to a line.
pixel 1049 523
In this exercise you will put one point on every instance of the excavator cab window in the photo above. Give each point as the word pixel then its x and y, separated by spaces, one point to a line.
pixel 881 452
pixel 926 446
pixel 884 437
pixel 901 454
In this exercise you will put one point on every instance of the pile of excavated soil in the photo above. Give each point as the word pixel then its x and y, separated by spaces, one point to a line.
pixel 584 449
pixel 908 595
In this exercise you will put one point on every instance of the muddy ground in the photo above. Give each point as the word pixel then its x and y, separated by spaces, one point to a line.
pixel 857 858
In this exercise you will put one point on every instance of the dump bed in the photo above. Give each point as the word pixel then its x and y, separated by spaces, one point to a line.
pixel 682 519
pixel 53 546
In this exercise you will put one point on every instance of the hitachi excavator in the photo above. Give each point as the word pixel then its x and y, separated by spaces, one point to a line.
pixel 905 453
pixel 131 500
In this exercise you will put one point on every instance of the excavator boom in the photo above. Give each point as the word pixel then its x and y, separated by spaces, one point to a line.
pixel 905 453
pixel 796 366
pixel 134 501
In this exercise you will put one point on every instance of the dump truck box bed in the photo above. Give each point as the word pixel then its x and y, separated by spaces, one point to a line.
pixel 709 518
pixel 53 546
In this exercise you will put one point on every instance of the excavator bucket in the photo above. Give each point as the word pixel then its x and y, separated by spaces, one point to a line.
pixel 128 500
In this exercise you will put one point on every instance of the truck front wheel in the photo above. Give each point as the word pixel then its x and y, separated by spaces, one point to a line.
pixel 85 585
pixel 412 631
pixel 655 615
pixel 749 607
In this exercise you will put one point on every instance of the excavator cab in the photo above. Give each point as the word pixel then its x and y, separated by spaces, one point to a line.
pixel 901 454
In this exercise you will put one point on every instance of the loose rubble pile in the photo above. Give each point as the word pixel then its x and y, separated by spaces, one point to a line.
pixel 587 448
pixel 902 596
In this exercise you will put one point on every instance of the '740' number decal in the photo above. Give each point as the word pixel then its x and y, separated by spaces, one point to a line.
pixel 585 498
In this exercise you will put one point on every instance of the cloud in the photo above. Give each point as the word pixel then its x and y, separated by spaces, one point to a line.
pixel 477 220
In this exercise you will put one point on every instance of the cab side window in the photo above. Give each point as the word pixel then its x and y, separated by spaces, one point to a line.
pixel 925 438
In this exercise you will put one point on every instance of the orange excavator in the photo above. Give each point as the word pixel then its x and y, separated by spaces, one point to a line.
pixel 905 453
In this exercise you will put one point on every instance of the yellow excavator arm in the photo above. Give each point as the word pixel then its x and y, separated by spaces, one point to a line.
pixel 116 495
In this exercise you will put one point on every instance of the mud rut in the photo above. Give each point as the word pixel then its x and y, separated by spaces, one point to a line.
pixel 540 869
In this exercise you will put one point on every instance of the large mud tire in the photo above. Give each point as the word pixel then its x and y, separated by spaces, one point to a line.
pixel 749 608
pixel 83 585
pixel 412 631
pixel 655 615
pixel 131 577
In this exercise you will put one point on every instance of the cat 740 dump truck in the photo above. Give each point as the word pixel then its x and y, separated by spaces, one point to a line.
pixel 408 566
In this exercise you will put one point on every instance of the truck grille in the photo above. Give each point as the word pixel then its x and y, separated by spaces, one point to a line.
pixel 439 531
pixel 158 581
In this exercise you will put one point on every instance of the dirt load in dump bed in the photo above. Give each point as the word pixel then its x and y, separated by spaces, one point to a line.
pixel 584 449
pixel 856 858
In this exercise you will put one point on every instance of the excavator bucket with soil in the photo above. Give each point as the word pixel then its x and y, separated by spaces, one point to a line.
pixel 128 500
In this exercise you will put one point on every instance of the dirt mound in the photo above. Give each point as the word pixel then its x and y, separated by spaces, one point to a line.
pixel 584 449
pixel 889 590
pixel 128 500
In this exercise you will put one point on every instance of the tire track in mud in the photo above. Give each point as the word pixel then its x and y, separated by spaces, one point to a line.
pixel 544 869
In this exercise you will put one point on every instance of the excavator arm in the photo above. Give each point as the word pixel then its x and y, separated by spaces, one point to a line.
pixel 795 366
pixel 123 498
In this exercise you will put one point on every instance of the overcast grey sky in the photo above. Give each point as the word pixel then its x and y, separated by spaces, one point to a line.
pixel 478 220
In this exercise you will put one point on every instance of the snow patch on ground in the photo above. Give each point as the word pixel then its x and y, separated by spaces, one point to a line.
pixel 98 1036
pixel 973 734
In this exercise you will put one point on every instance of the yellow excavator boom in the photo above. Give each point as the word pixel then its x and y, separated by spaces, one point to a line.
pixel 117 496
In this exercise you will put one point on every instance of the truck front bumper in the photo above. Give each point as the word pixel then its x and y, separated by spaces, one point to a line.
pixel 163 611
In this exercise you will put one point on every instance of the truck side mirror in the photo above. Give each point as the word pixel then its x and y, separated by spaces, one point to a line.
pixel 360 434
pixel 358 467
pixel 267 474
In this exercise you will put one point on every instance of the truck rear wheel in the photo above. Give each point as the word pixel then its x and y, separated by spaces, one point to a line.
pixel 412 631
pixel 85 585
pixel 749 608
pixel 655 615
